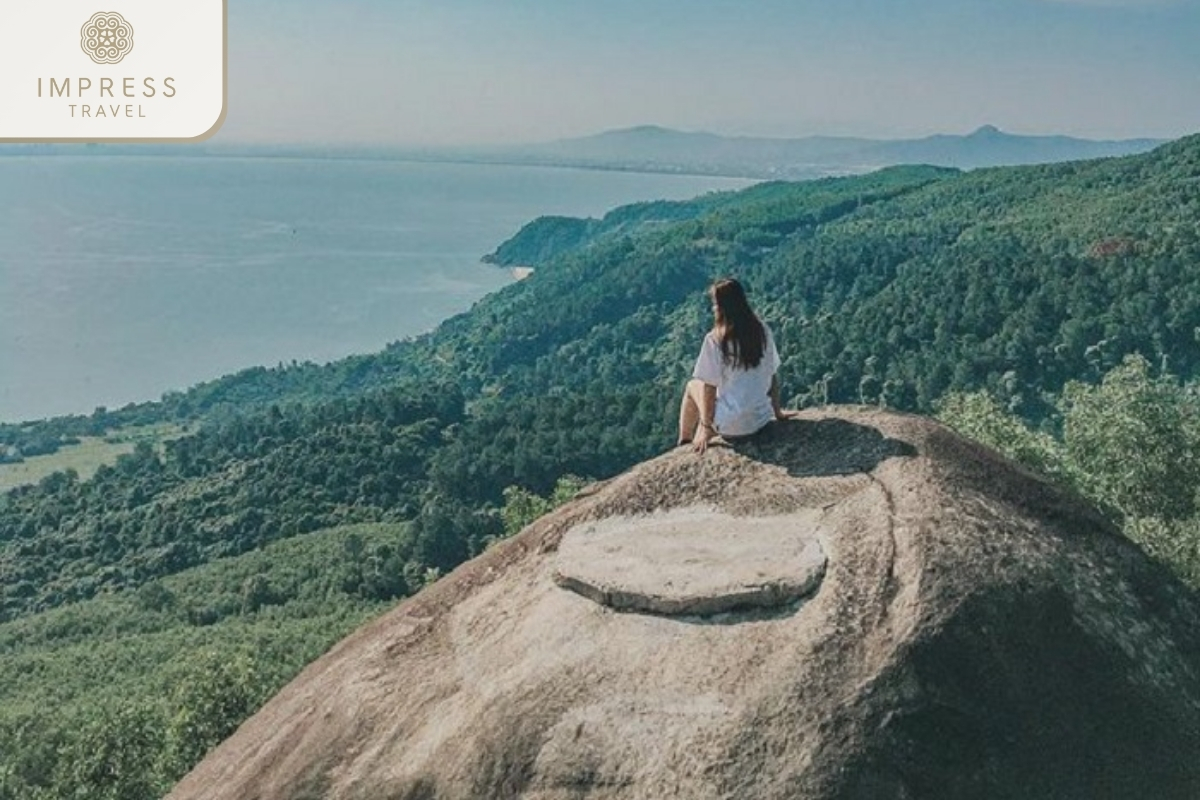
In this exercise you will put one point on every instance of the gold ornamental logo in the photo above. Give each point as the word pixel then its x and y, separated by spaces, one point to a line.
pixel 106 37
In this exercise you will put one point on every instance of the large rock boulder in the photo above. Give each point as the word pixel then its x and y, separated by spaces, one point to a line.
pixel 873 607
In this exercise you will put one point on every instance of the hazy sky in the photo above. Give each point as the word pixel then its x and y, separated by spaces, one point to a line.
pixel 478 71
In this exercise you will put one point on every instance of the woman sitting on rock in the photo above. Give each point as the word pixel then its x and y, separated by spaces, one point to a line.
pixel 733 391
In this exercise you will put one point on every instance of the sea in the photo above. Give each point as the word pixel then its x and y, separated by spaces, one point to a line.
pixel 124 277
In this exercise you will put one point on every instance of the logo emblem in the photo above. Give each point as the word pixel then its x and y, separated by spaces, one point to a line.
pixel 106 37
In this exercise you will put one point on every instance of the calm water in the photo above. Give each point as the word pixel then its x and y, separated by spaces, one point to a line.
pixel 122 277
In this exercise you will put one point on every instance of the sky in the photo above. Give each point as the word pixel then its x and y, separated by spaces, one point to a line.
pixel 464 72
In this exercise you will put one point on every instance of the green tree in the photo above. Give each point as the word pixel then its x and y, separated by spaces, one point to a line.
pixel 256 593
pixel 115 756
pixel 979 416
pixel 522 506
pixel 218 692
pixel 1130 445
pixel 1134 441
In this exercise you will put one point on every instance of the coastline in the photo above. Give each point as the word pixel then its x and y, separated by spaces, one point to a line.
pixel 289 306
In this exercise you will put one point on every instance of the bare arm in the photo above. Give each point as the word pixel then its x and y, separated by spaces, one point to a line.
pixel 774 392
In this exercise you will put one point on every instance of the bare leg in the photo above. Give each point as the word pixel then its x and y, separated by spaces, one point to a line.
pixel 689 410
pixel 689 417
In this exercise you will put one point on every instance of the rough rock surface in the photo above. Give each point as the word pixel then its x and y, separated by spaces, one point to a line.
pixel 976 634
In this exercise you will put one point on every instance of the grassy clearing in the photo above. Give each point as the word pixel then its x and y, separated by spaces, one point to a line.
pixel 87 456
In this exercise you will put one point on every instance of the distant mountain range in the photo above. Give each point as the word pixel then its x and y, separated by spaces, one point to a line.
pixel 663 149
pixel 650 148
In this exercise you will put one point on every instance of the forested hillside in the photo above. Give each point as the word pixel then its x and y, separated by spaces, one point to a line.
pixel 117 696
pixel 998 298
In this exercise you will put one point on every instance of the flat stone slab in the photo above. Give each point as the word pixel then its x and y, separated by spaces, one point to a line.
pixel 693 561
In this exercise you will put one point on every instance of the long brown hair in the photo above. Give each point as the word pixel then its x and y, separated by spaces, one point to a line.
pixel 741 334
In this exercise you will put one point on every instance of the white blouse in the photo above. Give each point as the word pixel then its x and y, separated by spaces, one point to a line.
pixel 743 395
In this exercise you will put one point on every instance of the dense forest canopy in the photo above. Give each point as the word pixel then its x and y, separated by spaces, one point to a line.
pixel 1052 311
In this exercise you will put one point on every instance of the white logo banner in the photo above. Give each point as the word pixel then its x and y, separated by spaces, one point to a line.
pixel 113 70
